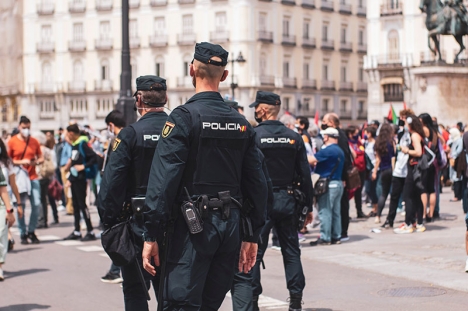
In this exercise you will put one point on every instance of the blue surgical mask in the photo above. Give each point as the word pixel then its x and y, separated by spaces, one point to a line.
pixel 366 137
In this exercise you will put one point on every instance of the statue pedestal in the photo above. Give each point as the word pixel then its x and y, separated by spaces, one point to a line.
pixel 442 91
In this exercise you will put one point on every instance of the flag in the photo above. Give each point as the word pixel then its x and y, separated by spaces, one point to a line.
pixel 316 119
pixel 404 106
pixel 392 116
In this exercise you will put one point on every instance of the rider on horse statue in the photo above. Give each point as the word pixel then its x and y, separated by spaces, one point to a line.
pixel 457 10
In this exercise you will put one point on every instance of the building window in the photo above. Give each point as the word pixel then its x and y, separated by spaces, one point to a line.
pixel 306 69
pixel 306 104
pixel 104 30
pixel 47 106
pixel 325 104
pixel 78 71
pixel 159 26
pixel 306 30
pixel 104 105
pixel 343 106
pixel 393 93
pixel 361 106
pixel 262 22
pixel 159 68
pixel 46 33
pixel 47 72
pixel 325 72
pixel 361 37
pixel 286 68
pixel 343 73
pixel 286 22
pixel 78 32
pixel 187 24
pixel 361 73
pixel 286 103
pixel 263 64
pixel 79 106
pixel 105 70
pixel 133 28
pixel 343 34
pixel 220 21
pixel 393 45
pixel 4 113
pixel 325 32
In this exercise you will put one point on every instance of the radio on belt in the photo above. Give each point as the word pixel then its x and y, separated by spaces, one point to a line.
pixel 191 215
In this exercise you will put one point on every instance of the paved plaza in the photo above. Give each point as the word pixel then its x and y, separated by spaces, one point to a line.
pixel 372 271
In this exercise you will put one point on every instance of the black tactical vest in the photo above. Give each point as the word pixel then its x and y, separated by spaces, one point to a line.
pixel 148 133
pixel 279 145
pixel 218 144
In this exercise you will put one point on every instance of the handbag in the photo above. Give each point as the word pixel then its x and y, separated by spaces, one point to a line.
pixel 353 181
pixel 321 185
pixel 55 189
pixel 118 243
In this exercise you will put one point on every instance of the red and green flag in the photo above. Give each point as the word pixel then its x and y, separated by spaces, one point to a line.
pixel 392 116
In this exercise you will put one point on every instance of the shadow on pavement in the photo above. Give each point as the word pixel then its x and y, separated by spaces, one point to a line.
pixel 12 274
pixel 315 309
pixel 24 307
pixel 431 227
pixel 355 238
pixel 16 251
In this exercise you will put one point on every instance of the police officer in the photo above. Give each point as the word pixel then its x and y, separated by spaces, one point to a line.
pixel 286 159
pixel 208 151
pixel 127 176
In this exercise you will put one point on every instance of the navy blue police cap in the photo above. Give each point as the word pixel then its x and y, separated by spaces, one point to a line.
pixel 232 103
pixel 145 83
pixel 266 98
pixel 205 51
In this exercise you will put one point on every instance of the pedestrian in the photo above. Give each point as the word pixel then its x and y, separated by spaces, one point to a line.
pixel 358 151
pixel 25 151
pixel 63 151
pixel 82 158
pixel 411 192
pixel 384 154
pixel 329 164
pixel 332 120
pixel 371 185
pixel 208 151
pixel 400 170
pixel 456 148
pixel 286 159
pixel 8 219
pixel 132 153
pixel 466 242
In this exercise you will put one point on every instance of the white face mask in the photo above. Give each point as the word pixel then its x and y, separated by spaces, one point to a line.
pixel 110 131
pixel 25 133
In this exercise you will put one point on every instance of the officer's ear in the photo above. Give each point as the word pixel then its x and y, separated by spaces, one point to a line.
pixel 192 70
pixel 225 75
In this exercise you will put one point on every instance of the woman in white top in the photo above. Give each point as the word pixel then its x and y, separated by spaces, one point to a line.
pixel 371 185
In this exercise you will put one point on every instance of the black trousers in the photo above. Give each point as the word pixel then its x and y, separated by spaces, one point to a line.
pixel 458 189
pixel 398 184
pixel 287 236
pixel 386 182
pixel 412 197
pixel 241 290
pixel 78 189
pixel 344 213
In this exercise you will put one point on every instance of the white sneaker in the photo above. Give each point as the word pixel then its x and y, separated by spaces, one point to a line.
pixel 3 278
pixel 466 267
pixel 420 228
pixel 276 248
pixel 61 208
pixel 404 229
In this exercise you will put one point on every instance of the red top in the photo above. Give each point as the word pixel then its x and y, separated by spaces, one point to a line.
pixel 16 148
pixel 360 160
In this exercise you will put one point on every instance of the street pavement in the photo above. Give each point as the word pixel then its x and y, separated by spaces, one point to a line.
pixel 372 271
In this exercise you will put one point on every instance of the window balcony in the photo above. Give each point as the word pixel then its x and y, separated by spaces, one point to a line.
pixel 267 80
pixel 186 1
pixel 328 85
pixel 103 5
pixel 103 85
pixel 362 86
pixel 362 115
pixel 308 4
pixel 390 60
pixel 47 115
pixel 155 3
pixel 76 86
pixel 361 11
pixel 309 84
pixel 391 7
pixel 75 6
pixel 77 46
pixel 346 47
pixel 346 86
pixel 288 40
pixel 327 5
pixel 265 36
pixel 328 44
pixel 45 8
pixel 289 82
pixel 45 87
pixel 185 82
pixel 309 43
pixel 103 44
pixel 345 114
pixel 219 36
pixel 134 42
pixel 288 2
pixel 134 4
pixel 45 47
pixel 186 38
pixel 345 8
pixel 158 41
pixel 362 48
pixel 78 114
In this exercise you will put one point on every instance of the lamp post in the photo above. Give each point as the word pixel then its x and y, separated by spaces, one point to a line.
pixel 240 59
pixel 126 102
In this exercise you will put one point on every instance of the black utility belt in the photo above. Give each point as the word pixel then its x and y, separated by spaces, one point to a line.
pixel 289 189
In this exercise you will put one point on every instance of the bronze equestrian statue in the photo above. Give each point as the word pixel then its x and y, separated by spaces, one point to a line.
pixel 448 18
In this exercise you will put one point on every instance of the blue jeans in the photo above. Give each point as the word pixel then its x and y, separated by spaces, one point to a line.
pixel 35 200
pixel 329 212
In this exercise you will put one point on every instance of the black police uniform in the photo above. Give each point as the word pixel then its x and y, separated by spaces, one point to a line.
pixel 286 159
pixel 126 177
pixel 206 147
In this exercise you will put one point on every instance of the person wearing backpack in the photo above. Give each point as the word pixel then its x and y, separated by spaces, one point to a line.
pixel 82 166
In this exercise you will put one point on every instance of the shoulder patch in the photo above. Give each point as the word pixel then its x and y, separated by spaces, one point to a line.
pixel 168 127
pixel 116 144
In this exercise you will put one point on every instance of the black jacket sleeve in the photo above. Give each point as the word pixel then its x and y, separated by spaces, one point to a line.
pixel 91 156
pixel 343 144
pixel 303 170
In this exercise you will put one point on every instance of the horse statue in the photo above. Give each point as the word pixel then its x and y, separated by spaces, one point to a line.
pixel 448 18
